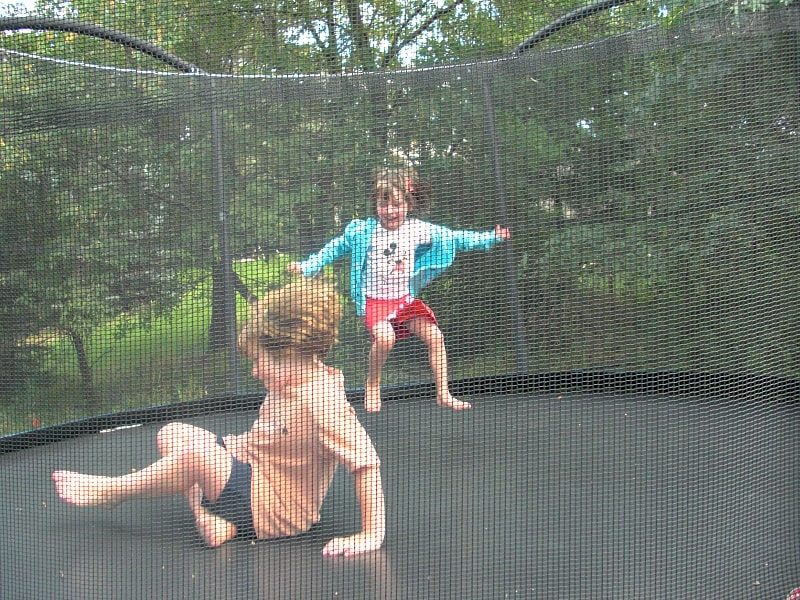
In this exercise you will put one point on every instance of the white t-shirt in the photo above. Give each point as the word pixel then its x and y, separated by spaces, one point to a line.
pixel 390 259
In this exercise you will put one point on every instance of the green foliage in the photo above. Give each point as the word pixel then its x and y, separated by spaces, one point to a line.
pixel 140 359
pixel 649 181
pixel 761 5
pixel 28 224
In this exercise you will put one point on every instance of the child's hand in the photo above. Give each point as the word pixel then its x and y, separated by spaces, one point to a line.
pixel 355 544
pixel 294 268
pixel 502 232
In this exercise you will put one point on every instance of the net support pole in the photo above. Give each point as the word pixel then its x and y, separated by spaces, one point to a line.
pixel 226 257
pixel 517 323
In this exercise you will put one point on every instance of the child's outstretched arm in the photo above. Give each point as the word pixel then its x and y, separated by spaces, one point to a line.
pixel 334 249
pixel 467 240
pixel 369 493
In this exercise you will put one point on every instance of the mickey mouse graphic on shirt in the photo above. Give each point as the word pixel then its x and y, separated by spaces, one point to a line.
pixel 396 263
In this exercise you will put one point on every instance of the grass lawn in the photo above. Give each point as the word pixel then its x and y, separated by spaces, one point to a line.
pixel 136 360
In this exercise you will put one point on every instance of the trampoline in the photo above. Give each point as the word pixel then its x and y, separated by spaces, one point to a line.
pixel 533 495
pixel 630 353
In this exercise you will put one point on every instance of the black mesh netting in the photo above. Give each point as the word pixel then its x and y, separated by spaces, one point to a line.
pixel 630 353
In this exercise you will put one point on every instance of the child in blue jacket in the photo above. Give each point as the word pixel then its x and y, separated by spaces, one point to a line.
pixel 393 257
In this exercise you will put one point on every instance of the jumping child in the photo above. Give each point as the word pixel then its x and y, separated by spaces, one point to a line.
pixel 393 257
pixel 270 481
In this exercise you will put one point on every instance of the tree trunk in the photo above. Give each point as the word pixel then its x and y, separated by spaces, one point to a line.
pixel 85 370
pixel 217 330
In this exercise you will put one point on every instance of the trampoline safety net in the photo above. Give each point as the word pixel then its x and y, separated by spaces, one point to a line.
pixel 523 298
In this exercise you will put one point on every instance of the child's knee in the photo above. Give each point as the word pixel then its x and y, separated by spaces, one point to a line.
pixel 167 435
pixel 383 334
pixel 174 435
pixel 432 335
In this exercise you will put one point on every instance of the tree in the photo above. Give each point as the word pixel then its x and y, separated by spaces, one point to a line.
pixel 28 227
pixel 126 158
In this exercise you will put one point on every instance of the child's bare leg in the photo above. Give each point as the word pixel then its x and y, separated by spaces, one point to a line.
pixel 214 530
pixel 172 474
pixel 187 469
pixel 175 436
pixel 429 333
pixel 383 339
pixel 81 489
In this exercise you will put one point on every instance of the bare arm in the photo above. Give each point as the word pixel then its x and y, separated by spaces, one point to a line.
pixel 369 493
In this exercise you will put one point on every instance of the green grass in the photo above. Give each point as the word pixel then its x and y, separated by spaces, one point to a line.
pixel 137 360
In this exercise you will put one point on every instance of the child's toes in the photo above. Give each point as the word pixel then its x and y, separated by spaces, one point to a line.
pixel 453 403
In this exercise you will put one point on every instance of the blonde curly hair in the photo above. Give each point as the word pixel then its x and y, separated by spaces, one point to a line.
pixel 302 316
pixel 416 192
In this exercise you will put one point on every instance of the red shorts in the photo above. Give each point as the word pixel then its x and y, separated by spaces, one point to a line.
pixel 398 313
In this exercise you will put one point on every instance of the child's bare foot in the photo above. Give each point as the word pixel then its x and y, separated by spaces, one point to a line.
pixel 214 530
pixel 372 397
pixel 85 490
pixel 447 401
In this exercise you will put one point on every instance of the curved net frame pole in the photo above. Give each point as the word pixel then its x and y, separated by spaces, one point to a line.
pixel 124 39
pixel 101 32
pixel 568 19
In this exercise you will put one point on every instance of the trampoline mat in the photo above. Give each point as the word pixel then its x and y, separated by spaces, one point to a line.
pixel 553 496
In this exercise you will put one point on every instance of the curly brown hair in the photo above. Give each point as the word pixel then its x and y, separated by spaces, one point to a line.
pixel 417 192
pixel 302 316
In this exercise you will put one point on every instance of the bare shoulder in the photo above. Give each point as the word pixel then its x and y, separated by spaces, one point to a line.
pixel 326 393
pixel 329 383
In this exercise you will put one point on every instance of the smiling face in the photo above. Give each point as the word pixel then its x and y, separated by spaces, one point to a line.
pixel 392 208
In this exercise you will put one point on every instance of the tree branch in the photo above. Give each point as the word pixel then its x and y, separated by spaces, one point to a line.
pixel 397 46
